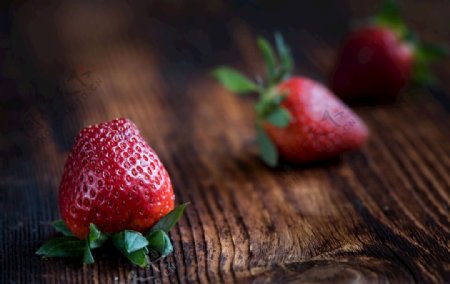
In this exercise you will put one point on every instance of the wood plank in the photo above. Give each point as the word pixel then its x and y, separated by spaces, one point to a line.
pixel 376 215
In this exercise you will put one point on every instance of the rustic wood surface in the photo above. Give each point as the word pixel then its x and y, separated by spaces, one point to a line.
pixel 380 214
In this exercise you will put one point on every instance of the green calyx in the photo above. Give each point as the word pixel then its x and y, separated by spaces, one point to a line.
pixel 279 65
pixel 139 249
pixel 389 16
pixel 424 54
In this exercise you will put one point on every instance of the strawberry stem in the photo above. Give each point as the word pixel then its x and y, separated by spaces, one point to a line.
pixel 279 65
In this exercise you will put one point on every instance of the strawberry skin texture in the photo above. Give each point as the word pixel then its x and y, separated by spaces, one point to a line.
pixel 112 178
pixel 373 63
pixel 321 125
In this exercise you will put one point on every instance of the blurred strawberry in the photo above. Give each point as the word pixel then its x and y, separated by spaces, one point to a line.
pixel 379 60
pixel 297 118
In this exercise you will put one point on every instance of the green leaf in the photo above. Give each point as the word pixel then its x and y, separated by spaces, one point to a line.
pixel 61 227
pixel 138 257
pixel 234 80
pixel 160 242
pixel 96 238
pixel 279 98
pixel 264 107
pixel 269 58
pixel 280 117
pixel 62 247
pixel 267 149
pixel 287 62
pixel 134 241
pixel 87 256
pixel 271 101
pixel 424 54
pixel 167 222
pixel 428 52
pixel 389 12
pixel 422 75
pixel 389 15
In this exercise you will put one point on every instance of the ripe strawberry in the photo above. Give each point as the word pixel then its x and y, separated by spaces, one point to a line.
pixel 298 118
pixel 113 179
pixel 114 185
pixel 379 60
pixel 321 125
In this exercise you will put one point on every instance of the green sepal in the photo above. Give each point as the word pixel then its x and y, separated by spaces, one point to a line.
pixel 263 108
pixel 159 242
pixel 279 65
pixel 389 16
pixel 279 98
pixel 96 238
pixel 61 227
pixel 286 60
pixel 133 245
pixel 267 149
pixel 71 246
pixel 87 255
pixel 422 75
pixel 138 257
pixel 269 102
pixel 234 80
pixel 269 59
pixel 134 241
pixel 280 117
pixel 62 247
pixel 426 52
pixel 167 222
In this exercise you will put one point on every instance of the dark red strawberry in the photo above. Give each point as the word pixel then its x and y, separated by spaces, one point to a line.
pixel 113 179
pixel 114 185
pixel 379 60
pixel 373 62
pixel 297 118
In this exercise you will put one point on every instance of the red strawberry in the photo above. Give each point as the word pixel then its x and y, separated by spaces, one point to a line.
pixel 373 62
pixel 114 185
pixel 113 179
pixel 298 118
pixel 321 125
pixel 379 60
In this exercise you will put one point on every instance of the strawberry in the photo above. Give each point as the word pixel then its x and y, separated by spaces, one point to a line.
pixel 298 119
pixel 114 179
pixel 378 60
pixel 321 125
pixel 113 184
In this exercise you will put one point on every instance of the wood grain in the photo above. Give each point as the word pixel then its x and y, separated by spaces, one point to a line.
pixel 376 215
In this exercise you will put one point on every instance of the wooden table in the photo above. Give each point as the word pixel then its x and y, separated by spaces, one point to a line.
pixel 380 214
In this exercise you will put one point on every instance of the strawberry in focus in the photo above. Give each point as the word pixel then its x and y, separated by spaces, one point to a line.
pixel 379 60
pixel 114 187
pixel 112 178
pixel 298 119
